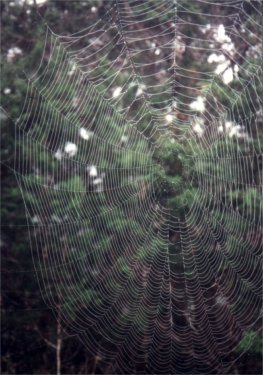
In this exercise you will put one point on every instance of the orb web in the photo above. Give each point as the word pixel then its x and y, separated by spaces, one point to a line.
pixel 132 161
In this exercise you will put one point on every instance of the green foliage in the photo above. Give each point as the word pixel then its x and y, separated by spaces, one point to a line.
pixel 251 342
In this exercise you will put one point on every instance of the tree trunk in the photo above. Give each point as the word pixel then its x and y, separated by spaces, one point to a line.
pixel 59 343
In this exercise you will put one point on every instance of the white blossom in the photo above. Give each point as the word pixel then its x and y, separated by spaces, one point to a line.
pixel 222 67
pixel 238 131
pixel 198 129
pixel 220 36
pixel 205 28
pixel 35 219
pixel 12 53
pixel 216 58
pixel 124 138
pixel 38 2
pixel 169 118
pixel 233 130
pixel 229 47
pixel 140 89
pixel 7 91
pixel 228 125
pixel 29 2
pixel 85 134
pixel 198 104
pixel 58 154
pixel 116 92
pixel 93 171
pixel 228 76
pixel 198 126
pixel 179 46
pixel 174 104
pixel 70 148
pixel 220 129
pixel 97 181
pixel 157 51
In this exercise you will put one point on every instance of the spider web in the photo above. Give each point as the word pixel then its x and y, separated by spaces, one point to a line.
pixel 154 272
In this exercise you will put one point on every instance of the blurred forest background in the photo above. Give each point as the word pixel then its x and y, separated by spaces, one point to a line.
pixel 33 339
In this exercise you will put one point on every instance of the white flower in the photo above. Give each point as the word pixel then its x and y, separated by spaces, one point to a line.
pixel 229 47
pixel 228 76
pixel 233 129
pixel 93 9
pixel 93 171
pixel 85 134
pixel 169 118
pixel 70 148
pixel 221 67
pixel 157 51
pixel 116 92
pixel 220 36
pixel 179 46
pixel 97 181
pixel 38 2
pixel 205 28
pixel 7 91
pixel 198 129
pixel 198 104
pixel 198 126
pixel 228 124
pixel 220 129
pixel 140 89
pixel 35 219
pixel 132 84
pixel 238 131
pixel 216 58
pixel 174 104
pixel 58 155
pixel 30 2
pixel 12 53
pixel 124 138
